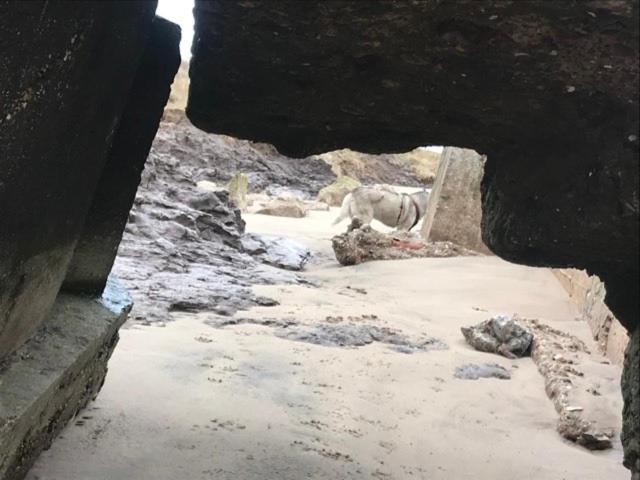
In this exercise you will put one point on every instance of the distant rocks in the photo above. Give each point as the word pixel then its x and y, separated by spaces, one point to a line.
pixel 334 193
pixel 284 208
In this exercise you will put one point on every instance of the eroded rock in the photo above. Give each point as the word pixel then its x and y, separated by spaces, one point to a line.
pixel 501 334
pixel 363 244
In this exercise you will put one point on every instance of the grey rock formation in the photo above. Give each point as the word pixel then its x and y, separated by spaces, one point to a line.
pixel 183 247
pixel 280 252
pixel 500 334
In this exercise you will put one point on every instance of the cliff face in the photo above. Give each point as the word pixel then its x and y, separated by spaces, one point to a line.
pixel 547 90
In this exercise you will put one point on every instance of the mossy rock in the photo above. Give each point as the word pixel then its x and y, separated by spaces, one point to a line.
pixel 334 193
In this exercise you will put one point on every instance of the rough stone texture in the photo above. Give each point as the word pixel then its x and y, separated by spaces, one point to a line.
pixel 96 249
pixel 220 157
pixel 66 68
pixel 182 247
pixel 631 394
pixel 284 208
pixel 364 244
pixel 411 169
pixel 334 193
pixel 238 187
pixel 559 357
pixel 500 334
pixel 280 252
pixel 588 293
pixel 454 211
pixel 55 374
pixel 547 90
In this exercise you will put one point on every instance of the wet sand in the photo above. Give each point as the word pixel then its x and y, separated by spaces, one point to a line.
pixel 190 401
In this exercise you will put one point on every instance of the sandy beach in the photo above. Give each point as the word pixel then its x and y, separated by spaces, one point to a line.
pixel 194 400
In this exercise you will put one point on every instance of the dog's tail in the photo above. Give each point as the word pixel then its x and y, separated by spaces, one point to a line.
pixel 344 210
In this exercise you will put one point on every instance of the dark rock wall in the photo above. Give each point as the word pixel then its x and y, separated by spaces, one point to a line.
pixel 65 71
pixel 96 249
pixel 547 90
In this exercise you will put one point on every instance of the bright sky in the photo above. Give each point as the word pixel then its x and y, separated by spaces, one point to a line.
pixel 180 12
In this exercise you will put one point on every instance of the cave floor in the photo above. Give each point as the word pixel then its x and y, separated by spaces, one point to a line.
pixel 192 401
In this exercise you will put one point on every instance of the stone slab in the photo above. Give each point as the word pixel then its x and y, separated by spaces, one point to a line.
pixel 55 374
pixel 454 212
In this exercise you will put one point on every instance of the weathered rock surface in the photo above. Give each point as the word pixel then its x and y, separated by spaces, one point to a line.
pixel 280 252
pixel 502 335
pixel 66 69
pixel 347 332
pixel 559 357
pixel 220 157
pixel 97 246
pixel 284 208
pixel 412 169
pixel 55 374
pixel 473 371
pixel 334 193
pixel 364 244
pixel 182 249
pixel 454 211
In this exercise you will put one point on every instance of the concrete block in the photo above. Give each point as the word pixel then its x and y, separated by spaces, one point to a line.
pixel 454 211
pixel 55 374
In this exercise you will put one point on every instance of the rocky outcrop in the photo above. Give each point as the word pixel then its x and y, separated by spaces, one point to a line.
pixel 412 169
pixel 219 157
pixel 66 70
pixel 183 250
pixel 547 90
pixel 454 211
pixel 364 244
pixel 97 246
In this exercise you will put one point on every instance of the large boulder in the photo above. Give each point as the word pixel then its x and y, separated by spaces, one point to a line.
pixel 334 194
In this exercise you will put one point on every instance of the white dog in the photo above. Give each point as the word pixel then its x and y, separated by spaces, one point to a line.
pixel 397 210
